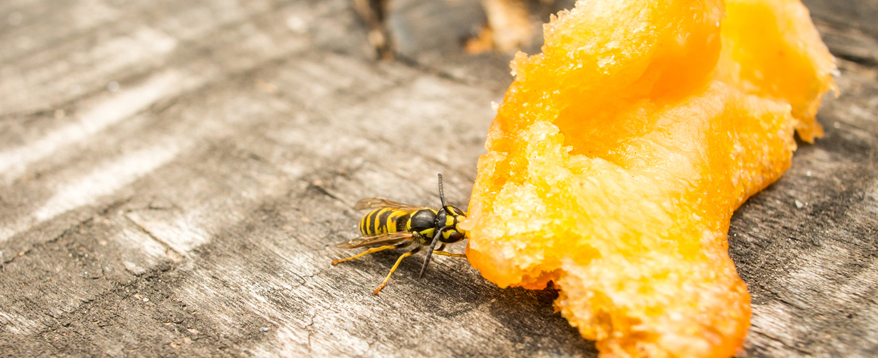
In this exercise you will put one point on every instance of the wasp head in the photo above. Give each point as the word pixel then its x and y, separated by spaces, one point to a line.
pixel 450 217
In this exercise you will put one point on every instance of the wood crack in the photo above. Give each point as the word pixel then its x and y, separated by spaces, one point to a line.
pixel 155 238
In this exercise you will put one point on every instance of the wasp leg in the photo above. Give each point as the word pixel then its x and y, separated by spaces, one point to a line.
pixel 436 237
pixel 369 251
pixel 443 253
pixel 407 254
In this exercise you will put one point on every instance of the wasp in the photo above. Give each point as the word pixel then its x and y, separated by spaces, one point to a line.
pixel 391 225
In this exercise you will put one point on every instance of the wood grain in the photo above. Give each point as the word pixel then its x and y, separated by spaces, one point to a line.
pixel 173 174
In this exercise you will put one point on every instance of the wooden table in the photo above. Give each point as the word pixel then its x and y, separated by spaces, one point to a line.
pixel 173 174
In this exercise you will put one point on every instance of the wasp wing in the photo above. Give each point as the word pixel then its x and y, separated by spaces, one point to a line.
pixel 375 203
pixel 383 239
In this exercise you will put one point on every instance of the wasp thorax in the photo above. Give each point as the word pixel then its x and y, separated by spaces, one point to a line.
pixel 422 220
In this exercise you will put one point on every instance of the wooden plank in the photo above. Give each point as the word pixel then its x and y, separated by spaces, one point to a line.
pixel 807 246
pixel 189 208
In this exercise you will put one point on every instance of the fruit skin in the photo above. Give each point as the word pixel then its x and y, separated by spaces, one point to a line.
pixel 620 153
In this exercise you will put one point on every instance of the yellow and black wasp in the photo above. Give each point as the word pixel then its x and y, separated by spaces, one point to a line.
pixel 392 225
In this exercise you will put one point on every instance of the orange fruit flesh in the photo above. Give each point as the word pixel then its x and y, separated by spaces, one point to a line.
pixel 620 153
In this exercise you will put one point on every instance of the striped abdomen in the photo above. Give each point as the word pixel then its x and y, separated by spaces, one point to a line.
pixel 383 221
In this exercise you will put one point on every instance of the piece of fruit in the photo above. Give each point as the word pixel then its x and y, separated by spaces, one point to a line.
pixel 619 154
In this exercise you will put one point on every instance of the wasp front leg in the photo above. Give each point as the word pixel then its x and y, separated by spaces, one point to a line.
pixel 443 253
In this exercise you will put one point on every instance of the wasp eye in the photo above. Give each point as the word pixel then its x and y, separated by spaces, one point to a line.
pixel 457 212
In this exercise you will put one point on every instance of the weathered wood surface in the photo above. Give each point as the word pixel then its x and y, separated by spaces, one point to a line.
pixel 172 174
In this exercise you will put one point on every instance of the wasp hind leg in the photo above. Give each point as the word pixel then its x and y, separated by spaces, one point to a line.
pixel 369 251
pixel 407 254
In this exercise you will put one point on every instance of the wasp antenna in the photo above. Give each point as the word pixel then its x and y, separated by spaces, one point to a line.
pixel 441 193
pixel 432 246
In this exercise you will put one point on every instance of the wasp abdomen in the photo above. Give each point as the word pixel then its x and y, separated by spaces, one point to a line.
pixel 383 221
